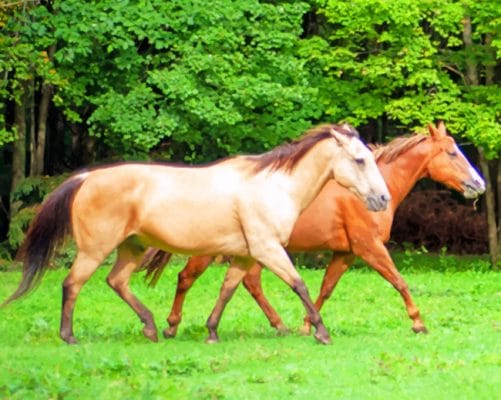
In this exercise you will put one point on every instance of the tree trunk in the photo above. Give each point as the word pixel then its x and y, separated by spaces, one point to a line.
pixel 489 80
pixel 32 138
pixel 19 146
pixel 471 66
pixel 490 68
pixel 498 256
pixel 472 76
pixel 43 112
pixel 490 206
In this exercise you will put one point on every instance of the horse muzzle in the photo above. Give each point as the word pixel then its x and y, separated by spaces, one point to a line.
pixel 473 188
pixel 377 202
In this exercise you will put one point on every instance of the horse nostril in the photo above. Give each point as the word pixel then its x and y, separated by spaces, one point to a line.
pixel 384 198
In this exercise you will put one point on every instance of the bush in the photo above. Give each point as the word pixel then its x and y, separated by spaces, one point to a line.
pixel 434 219
pixel 27 196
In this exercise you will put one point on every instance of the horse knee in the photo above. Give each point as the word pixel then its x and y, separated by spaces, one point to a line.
pixel 250 284
pixel 185 280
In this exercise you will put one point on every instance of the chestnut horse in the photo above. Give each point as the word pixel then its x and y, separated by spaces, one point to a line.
pixel 243 206
pixel 336 220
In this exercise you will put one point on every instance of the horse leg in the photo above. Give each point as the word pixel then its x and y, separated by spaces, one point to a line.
pixel 83 267
pixel 195 267
pixel 338 265
pixel 237 270
pixel 128 258
pixel 252 282
pixel 277 261
pixel 377 257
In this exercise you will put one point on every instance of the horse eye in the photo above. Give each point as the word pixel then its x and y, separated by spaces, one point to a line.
pixel 452 153
pixel 360 161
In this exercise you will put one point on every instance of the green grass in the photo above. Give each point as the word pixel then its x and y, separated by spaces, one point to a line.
pixel 374 354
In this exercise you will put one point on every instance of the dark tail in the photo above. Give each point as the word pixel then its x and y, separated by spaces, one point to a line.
pixel 154 262
pixel 45 234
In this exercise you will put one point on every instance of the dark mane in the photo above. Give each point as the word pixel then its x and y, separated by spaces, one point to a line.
pixel 286 156
pixel 393 149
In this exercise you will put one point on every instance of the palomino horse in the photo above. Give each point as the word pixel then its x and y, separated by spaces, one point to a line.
pixel 336 220
pixel 243 206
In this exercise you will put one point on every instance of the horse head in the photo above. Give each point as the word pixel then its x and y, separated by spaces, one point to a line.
pixel 451 167
pixel 358 170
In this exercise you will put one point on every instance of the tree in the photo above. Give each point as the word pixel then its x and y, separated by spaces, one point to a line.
pixel 27 68
pixel 479 61
pixel 178 80
pixel 410 63
pixel 207 81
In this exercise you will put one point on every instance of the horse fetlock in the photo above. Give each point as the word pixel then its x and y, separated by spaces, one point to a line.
pixel 315 319
pixel 174 319
pixel 212 323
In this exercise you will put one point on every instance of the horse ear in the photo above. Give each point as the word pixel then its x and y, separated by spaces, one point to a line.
pixel 437 132
pixel 341 138
pixel 441 128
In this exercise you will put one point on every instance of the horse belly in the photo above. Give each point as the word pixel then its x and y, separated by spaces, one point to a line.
pixel 322 226
pixel 195 233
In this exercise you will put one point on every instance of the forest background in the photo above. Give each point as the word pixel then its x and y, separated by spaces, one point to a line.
pixel 85 83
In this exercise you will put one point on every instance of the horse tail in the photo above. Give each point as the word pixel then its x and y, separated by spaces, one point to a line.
pixel 154 262
pixel 46 233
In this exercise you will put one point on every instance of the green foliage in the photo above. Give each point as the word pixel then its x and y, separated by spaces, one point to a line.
pixel 406 60
pixel 33 190
pixel 28 195
pixel 18 226
pixel 374 353
pixel 196 83
pixel 242 76
pixel 212 80
pixel 24 39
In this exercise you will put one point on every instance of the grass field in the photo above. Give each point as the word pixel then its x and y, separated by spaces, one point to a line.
pixel 374 354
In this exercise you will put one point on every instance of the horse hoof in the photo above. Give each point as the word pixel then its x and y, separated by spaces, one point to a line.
pixel 169 333
pixel 151 334
pixel 282 330
pixel 212 339
pixel 305 330
pixel 323 339
pixel 70 340
pixel 420 329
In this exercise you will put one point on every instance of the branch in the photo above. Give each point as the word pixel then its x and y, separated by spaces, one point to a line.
pixel 17 3
pixel 457 72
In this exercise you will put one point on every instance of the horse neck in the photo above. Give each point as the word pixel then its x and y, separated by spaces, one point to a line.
pixel 402 173
pixel 313 172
